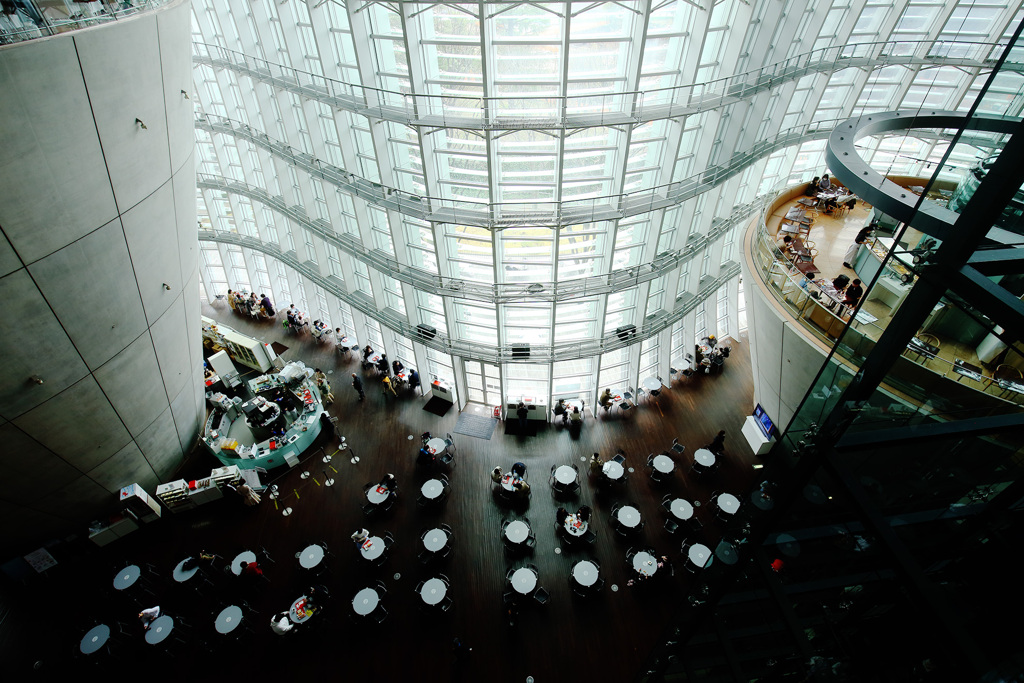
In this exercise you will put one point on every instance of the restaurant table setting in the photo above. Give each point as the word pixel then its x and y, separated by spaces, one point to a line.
pixel 612 470
pixel 575 526
pixel 377 494
pixel 372 548
pixel 301 610
pixel 645 564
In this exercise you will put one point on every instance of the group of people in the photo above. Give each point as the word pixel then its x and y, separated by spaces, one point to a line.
pixel 831 199
pixel 251 304
pixel 583 515
pixel 572 417
pixel 517 475
pixel 296 319
pixel 390 374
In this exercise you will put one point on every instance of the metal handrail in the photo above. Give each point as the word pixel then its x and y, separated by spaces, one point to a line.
pixel 498 216
pixel 47 26
pixel 576 111
pixel 489 353
pixel 428 281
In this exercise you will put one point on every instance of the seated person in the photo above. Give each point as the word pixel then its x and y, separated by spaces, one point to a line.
pixel 497 474
pixel 825 184
pixel 367 352
pixel 561 409
pixel 785 245
pixel 148 616
pixel 388 482
pixel 519 470
pixel 521 487
pixel 576 417
pixel 396 366
pixel 424 456
pixel 281 623
pixel 840 282
pixel 605 401
pixel 560 515
pixel 830 204
pixel 425 437
pixel 583 514
pixel 812 187
pixel 414 379
pixel 596 464
pixel 382 365
pixel 853 294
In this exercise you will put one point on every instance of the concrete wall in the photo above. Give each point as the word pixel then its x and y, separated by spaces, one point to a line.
pixel 97 216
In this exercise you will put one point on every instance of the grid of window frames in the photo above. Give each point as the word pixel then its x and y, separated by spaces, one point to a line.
pixel 551 108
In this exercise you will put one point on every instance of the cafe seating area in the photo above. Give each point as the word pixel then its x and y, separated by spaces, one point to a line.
pixel 447 551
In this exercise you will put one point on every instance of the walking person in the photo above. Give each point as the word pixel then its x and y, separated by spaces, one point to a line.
pixel 860 239
pixel 388 386
pixel 358 384
pixel 718 445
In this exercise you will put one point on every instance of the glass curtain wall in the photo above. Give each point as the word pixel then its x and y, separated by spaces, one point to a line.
pixel 541 173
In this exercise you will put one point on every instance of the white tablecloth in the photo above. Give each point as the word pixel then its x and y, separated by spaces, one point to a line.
pixel 565 475
pixel 517 531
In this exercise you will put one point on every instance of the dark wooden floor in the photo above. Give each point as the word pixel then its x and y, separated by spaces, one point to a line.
pixel 570 639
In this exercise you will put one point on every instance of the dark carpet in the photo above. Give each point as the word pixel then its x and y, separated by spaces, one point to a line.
pixel 437 406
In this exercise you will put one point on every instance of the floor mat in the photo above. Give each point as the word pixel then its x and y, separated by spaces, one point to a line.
pixel 437 406
pixel 512 427
pixel 475 425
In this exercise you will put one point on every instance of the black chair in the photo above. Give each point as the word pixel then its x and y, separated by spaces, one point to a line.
pixel 389 540
pixel 678 447
pixel 541 595
pixel 671 526
pixel 380 614
pixel 620 458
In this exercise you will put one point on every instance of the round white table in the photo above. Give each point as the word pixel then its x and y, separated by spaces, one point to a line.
pixel 311 556
pixel 374 358
pixel 517 531
pixel 377 494
pixel 94 639
pixel 645 563
pixel 435 540
pixel 365 601
pixel 652 384
pixel 681 509
pixel 613 470
pixel 704 457
pixel 508 482
pixel 244 556
pixel 663 464
pixel 296 616
pixel 436 445
pixel 433 591
pixel 574 526
pixel 565 475
pixel 127 577
pixel 728 503
pixel 629 516
pixel 432 489
pixel 726 552
pixel 699 554
pixel 228 619
pixel 180 574
pixel 524 580
pixel 372 548
pixel 159 630
pixel 585 573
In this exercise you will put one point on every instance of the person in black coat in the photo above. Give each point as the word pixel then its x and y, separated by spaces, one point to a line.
pixel 358 384
pixel 718 445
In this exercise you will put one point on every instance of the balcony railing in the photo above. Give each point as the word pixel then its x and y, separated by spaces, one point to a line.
pixel 29 21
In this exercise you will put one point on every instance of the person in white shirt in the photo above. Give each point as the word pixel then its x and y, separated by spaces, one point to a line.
pixel 360 536
pixel 148 616
pixel 281 624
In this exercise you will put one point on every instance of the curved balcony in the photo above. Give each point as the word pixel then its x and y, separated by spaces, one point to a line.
pixel 29 21
pixel 924 381
pixel 497 216
pixel 585 111
pixel 427 281
pixel 546 353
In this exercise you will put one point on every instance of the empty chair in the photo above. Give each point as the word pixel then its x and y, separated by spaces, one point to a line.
pixel 671 526
pixel 619 457
pixel 380 614
pixel 541 595
pixel 678 447
pixel 389 540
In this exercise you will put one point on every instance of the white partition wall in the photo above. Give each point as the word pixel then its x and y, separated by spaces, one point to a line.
pixel 100 379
